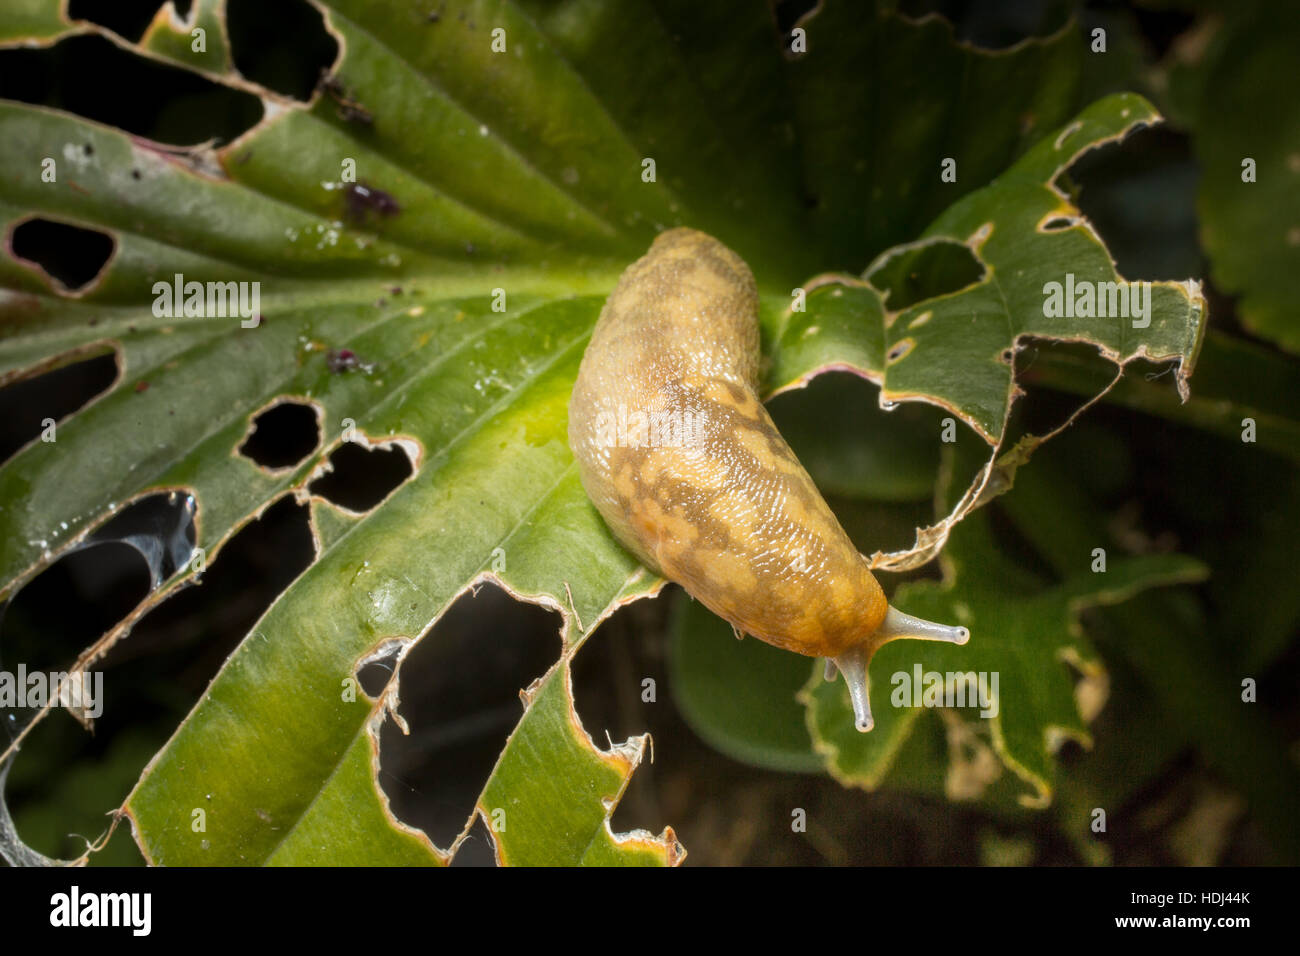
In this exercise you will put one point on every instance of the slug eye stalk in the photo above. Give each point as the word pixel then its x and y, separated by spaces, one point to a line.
pixel 853 662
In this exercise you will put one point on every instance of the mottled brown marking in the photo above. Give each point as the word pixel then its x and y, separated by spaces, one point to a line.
pixel 737 521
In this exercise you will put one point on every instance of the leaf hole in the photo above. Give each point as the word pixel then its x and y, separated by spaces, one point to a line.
pixel 478 848
pixel 150 682
pixel 88 592
pixel 160 527
pixel 1140 197
pixel 623 687
pixel 460 688
pixel 53 395
pixel 62 778
pixel 68 606
pixel 609 677
pixel 1057 224
pixel 127 18
pixel 852 448
pixel 258 47
pixel 899 350
pixel 991 24
pixel 925 272
pixel 376 669
pixel 73 257
pixel 282 435
pixel 184 641
pixel 358 478
pixel 143 96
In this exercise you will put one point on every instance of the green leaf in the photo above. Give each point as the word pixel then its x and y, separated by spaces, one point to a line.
pixel 348 823
pixel 551 795
pixel 29 22
pixel 851 447
pixel 1192 668
pixel 519 172
pixel 1250 230
pixel 1238 384
pixel 739 695
pixel 171 37
pixel 936 99
pixel 471 500
pixel 953 350
pixel 1021 631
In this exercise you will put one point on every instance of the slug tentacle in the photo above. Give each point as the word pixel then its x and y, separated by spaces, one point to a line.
pixel 683 462
pixel 897 624
pixel 853 662
pixel 853 665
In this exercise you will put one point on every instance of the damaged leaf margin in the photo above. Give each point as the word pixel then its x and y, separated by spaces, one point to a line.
pixel 1036 709
pixel 168 39
pixel 203 161
pixel 848 316
pixel 349 822
pixel 529 792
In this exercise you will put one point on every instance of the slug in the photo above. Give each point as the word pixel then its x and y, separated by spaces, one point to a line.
pixel 680 457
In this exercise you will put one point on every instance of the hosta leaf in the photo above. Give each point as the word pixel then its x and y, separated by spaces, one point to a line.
pixel 551 795
pixel 954 349
pixel 1250 229
pixel 851 447
pixel 174 37
pixel 504 194
pixel 1021 632
pixel 348 822
pixel 1238 384
pixel 471 500
pixel 739 695
pixel 32 21
pixel 1190 668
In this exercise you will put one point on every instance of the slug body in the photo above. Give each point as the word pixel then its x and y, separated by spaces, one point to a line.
pixel 683 462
